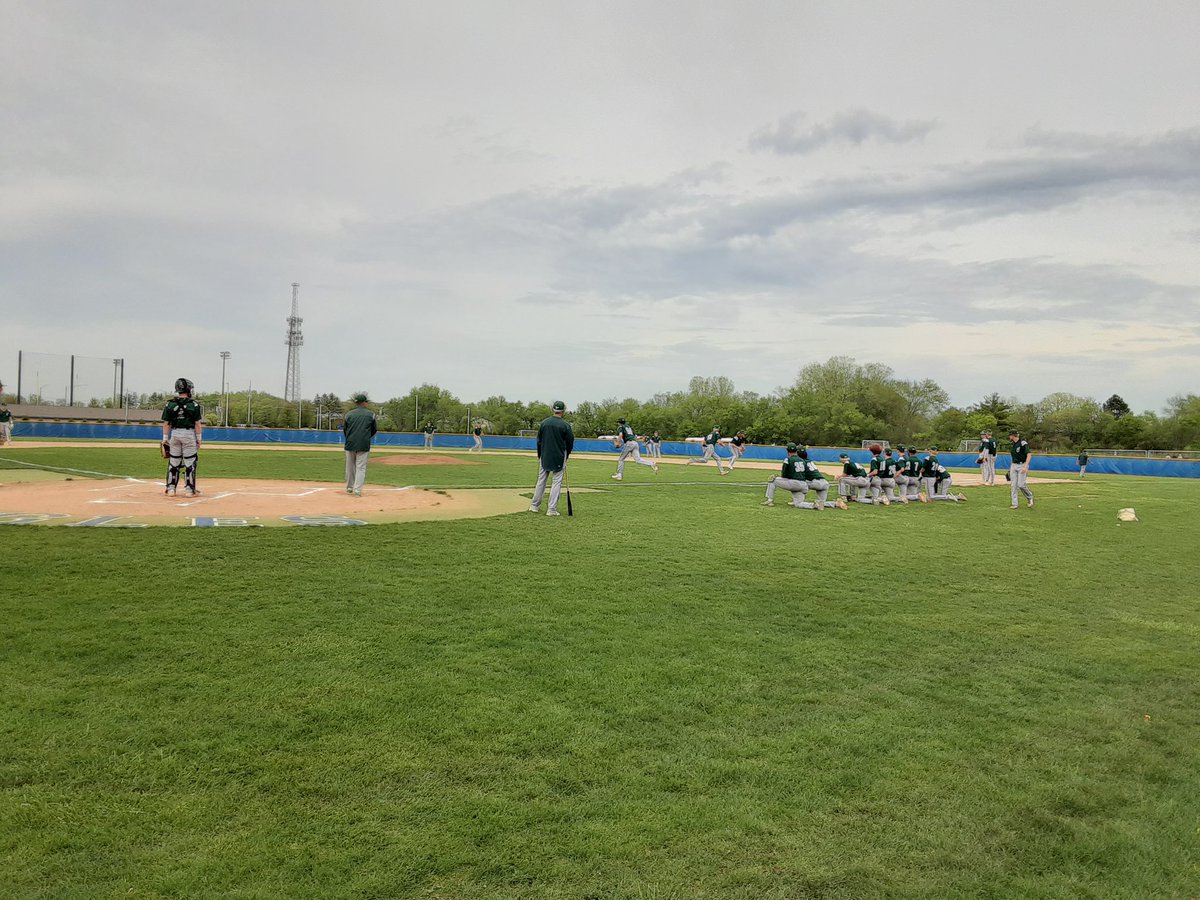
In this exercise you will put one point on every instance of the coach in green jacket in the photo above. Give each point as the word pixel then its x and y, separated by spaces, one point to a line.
pixel 555 441
pixel 358 427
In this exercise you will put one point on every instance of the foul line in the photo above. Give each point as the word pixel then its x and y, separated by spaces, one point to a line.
pixel 21 462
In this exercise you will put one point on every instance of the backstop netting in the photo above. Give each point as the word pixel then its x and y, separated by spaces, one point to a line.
pixel 57 379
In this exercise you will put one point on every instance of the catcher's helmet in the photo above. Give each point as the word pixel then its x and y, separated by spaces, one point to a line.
pixel 183 386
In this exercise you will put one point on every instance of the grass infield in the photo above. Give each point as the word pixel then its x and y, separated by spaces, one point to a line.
pixel 678 693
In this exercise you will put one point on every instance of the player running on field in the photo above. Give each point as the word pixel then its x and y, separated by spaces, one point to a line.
pixel 737 447
pixel 711 440
pixel 628 443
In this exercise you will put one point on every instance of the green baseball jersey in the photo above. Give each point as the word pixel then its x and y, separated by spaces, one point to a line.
pixel 555 441
pixel 1083 458
pixel 182 413
pixel 887 467
pixel 1020 451
pixel 789 469
pixel 359 427
pixel 429 429
pixel 850 467
pixel 987 446
pixel 625 433
pixel 713 438
pixel 876 465
pixel 929 466
pixel 912 466
pixel 5 415
pixel 809 471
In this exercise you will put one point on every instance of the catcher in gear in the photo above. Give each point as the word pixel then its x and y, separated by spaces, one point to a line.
pixel 183 423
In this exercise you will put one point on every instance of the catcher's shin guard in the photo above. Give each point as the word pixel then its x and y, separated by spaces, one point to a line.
pixel 173 472
pixel 189 463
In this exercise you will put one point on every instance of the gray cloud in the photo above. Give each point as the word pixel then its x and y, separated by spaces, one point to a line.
pixel 789 136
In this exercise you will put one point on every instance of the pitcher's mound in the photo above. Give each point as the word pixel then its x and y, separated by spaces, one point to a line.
pixel 420 459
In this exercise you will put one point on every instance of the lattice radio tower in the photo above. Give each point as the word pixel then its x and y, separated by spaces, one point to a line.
pixel 291 390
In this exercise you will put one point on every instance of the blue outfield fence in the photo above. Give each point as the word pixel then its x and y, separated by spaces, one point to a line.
pixel 1047 464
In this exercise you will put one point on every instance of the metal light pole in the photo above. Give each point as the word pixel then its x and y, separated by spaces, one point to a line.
pixel 224 390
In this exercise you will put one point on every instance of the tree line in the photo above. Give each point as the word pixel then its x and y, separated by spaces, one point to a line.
pixel 838 403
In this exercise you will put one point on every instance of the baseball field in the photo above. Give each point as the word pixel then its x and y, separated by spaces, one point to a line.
pixel 675 693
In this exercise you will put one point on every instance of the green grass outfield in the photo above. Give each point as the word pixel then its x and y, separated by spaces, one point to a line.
pixel 677 693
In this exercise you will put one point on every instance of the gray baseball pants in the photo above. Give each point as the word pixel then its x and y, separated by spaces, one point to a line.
pixel 628 449
pixel 1020 479
pixel 356 470
pixel 555 488
pixel 987 470
pixel 855 488
pixel 796 488
pixel 821 486
pixel 183 455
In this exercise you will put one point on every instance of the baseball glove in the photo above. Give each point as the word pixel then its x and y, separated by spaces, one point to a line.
pixel 979 461
pixel 165 449
pixel 1008 476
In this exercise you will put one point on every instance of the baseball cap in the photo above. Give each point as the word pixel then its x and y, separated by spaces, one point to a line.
pixel 559 406
pixel 360 398
pixel 791 448
pixel 843 456
pixel 620 421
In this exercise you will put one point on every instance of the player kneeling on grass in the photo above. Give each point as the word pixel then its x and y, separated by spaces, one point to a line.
pixel 812 476
pixel 937 479
pixel 788 480
pixel 911 470
pixel 882 475
pixel 853 483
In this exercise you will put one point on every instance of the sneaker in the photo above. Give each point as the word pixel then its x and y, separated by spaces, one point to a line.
pixel 358 493
pixel 170 492
pixel 616 478
pixel 922 498
pixel 533 509
pixel 904 500
pixel 1014 506
pixel 349 490
pixel 962 498
pixel 654 466
pixel 1031 504
pixel 190 492
pixel 724 471
pixel 552 512
pixel 768 503
pixel 820 504
pixel 885 501
pixel 842 504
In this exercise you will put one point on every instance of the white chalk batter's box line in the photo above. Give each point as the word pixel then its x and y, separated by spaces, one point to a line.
pixel 190 521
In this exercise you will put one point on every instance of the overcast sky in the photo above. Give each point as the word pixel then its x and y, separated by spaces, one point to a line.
pixel 589 200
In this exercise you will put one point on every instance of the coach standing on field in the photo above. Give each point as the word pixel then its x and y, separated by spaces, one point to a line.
pixel 358 427
pixel 555 441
